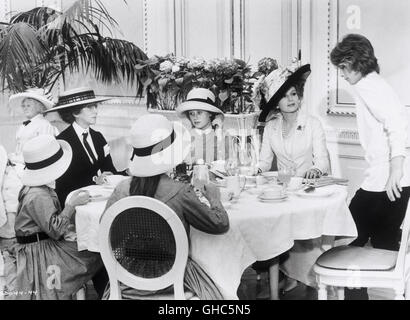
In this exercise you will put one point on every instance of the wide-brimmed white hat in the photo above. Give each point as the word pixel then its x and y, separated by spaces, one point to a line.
pixel 158 145
pixel 76 97
pixel 46 160
pixel 38 94
pixel 198 99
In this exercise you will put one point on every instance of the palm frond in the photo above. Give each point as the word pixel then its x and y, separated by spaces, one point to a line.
pixel 87 12
pixel 110 60
pixel 37 17
pixel 20 49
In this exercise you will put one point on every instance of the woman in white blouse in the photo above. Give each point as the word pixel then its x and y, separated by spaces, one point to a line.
pixel 33 102
pixel 298 141
pixel 296 138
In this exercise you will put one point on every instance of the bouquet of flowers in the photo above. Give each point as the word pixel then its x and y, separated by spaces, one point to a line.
pixel 168 80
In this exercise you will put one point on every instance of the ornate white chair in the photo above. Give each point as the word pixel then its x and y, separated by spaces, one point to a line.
pixel 144 246
pixel 365 267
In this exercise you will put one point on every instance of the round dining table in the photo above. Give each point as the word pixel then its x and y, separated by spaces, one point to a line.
pixel 258 231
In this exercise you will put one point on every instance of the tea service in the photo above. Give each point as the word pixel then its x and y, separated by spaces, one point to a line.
pixel 273 193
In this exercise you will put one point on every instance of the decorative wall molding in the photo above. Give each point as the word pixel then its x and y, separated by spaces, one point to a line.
pixel 237 30
pixel 5 9
pixel 349 157
pixel 336 107
pixel 145 6
pixel 343 136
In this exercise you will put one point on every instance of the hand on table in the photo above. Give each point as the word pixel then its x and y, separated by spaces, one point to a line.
pixel 313 174
pixel 79 197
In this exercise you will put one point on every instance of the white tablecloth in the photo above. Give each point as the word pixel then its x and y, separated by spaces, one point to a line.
pixel 258 231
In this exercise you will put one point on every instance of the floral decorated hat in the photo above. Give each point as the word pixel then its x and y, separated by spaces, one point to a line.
pixel 278 82
pixel 198 99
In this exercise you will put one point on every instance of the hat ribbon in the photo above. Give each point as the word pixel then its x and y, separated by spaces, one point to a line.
pixel 45 163
pixel 156 148
pixel 207 100
pixel 76 97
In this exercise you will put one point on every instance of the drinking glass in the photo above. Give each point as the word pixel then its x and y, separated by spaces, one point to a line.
pixel 231 167
pixel 284 175
pixel 200 176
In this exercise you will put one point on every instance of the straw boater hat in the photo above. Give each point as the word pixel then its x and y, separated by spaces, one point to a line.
pixel 278 82
pixel 76 97
pixel 46 160
pixel 158 145
pixel 198 99
pixel 33 93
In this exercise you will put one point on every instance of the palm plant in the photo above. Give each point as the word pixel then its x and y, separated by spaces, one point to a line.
pixel 38 47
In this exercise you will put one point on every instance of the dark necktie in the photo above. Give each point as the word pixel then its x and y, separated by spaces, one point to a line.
pixel 26 122
pixel 88 148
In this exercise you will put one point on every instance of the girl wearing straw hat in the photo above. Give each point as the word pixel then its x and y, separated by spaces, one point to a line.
pixel 33 103
pixel 91 157
pixel 47 266
pixel 206 121
pixel 158 146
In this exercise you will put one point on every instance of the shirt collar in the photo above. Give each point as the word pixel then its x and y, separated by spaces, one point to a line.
pixel 79 130
pixel 200 131
pixel 37 117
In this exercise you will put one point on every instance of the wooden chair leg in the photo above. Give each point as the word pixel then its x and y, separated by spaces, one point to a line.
pixel 2 277
pixel 407 291
pixel 399 294
pixel 322 294
pixel 341 293
pixel 80 295
pixel 274 279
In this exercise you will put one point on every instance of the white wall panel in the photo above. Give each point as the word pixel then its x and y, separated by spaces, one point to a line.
pixel 207 32
pixel 263 29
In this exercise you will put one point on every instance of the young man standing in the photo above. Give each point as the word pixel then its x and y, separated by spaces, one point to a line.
pixel 379 206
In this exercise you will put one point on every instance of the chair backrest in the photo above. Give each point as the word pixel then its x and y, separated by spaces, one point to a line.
pixel 144 245
pixel 404 242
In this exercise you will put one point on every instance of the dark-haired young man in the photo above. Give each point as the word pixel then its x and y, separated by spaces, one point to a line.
pixel 379 206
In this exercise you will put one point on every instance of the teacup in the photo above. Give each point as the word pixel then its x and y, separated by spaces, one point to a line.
pixel 250 181
pixel 273 192
pixel 295 183
pixel 113 180
pixel 260 180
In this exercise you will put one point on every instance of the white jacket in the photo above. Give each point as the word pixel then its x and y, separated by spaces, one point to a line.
pixel 308 145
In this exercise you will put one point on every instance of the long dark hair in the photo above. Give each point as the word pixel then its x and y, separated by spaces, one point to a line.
pixel 144 186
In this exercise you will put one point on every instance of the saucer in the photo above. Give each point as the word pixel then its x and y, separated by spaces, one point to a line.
pixel 279 199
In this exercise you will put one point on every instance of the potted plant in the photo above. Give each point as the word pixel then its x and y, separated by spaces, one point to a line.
pixel 38 47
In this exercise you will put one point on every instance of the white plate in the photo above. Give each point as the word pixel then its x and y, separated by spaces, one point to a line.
pixel 317 193
pixel 98 193
pixel 269 174
pixel 273 200
pixel 264 199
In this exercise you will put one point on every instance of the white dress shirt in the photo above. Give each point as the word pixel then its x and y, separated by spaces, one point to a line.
pixel 382 126
pixel 38 125
pixel 79 131
pixel 305 147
